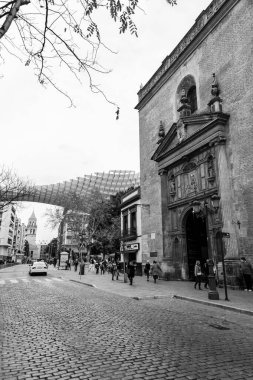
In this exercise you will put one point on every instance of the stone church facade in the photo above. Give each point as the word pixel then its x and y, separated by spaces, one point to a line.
pixel 196 135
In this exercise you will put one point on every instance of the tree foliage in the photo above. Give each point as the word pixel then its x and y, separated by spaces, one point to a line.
pixel 48 35
pixel 13 188
pixel 97 217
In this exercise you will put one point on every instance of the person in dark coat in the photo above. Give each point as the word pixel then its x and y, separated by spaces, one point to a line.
pixel 206 273
pixel 156 271
pixel 247 272
pixel 75 264
pixel 147 269
pixel 114 270
pixel 131 272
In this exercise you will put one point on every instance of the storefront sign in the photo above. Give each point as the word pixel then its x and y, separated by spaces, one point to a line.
pixel 132 247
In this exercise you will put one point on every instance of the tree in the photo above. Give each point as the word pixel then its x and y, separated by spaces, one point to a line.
pixel 48 34
pixel 96 217
pixel 13 188
pixel 26 248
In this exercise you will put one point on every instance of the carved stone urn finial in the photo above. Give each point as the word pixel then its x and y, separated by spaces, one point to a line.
pixel 215 102
pixel 161 133
pixel 215 91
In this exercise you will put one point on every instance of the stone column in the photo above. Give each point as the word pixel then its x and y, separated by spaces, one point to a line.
pixel 164 212
pixel 226 202
pixel 227 211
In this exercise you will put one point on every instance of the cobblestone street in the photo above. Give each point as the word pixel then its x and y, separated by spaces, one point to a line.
pixel 57 329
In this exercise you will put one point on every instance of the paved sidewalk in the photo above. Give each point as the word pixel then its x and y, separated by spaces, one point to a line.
pixel 239 301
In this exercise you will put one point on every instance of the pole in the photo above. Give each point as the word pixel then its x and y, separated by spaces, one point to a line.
pixel 124 264
pixel 212 292
pixel 224 268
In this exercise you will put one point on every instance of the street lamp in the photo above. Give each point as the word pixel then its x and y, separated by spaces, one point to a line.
pixel 202 211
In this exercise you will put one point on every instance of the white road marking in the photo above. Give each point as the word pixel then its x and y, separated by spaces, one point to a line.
pixel 7 281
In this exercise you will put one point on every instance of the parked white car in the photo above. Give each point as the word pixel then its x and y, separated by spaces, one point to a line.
pixel 39 267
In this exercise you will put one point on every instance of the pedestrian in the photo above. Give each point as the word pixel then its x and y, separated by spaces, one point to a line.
pixel 156 271
pixel 75 264
pixel 198 274
pixel 147 269
pixel 247 272
pixel 102 267
pixel 97 267
pixel 55 262
pixel 114 270
pixel 131 272
pixel 206 273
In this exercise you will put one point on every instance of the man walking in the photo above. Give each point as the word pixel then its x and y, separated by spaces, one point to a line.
pixel 247 271
pixel 147 269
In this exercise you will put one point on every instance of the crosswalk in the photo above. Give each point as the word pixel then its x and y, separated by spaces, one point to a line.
pixel 23 280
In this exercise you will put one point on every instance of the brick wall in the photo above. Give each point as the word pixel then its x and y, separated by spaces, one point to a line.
pixel 226 51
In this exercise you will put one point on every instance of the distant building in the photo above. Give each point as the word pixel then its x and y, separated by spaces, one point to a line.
pixel 7 227
pixel 30 235
pixel 131 225
pixel 72 226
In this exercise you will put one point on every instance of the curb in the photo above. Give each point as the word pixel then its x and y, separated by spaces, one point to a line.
pixel 152 297
pixel 84 283
pixel 230 308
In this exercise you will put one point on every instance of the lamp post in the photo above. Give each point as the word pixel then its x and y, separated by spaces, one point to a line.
pixel 203 212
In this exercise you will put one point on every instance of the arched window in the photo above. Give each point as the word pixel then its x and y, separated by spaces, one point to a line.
pixel 192 97
pixel 189 85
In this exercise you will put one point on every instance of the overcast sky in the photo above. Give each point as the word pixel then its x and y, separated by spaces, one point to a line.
pixel 46 141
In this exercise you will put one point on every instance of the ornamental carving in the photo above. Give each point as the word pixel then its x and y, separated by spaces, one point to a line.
pixel 181 131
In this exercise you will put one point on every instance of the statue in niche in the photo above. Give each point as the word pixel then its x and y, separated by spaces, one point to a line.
pixel 172 186
pixel 181 132
pixel 193 182
pixel 210 170
pixel 210 167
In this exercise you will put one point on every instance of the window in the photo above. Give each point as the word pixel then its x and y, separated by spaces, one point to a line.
pixel 125 224
pixel 133 221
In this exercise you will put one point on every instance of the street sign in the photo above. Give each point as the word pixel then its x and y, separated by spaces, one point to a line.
pixel 226 234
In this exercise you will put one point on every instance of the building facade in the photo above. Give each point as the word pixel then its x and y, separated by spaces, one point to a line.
pixel 30 235
pixel 131 226
pixel 195 121
pixel 7 228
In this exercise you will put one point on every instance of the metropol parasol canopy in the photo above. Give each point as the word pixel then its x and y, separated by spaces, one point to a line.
pixel 106 183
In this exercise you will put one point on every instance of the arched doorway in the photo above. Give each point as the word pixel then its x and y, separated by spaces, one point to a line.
pixel 196 239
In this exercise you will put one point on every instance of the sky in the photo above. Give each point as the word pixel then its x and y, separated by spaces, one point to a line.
pixel 46 141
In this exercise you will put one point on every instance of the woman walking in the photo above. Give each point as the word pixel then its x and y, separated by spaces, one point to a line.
pixel 156 271
pixel 198 274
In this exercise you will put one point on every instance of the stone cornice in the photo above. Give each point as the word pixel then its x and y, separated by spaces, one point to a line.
pixel 210 120
pixel 204 24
